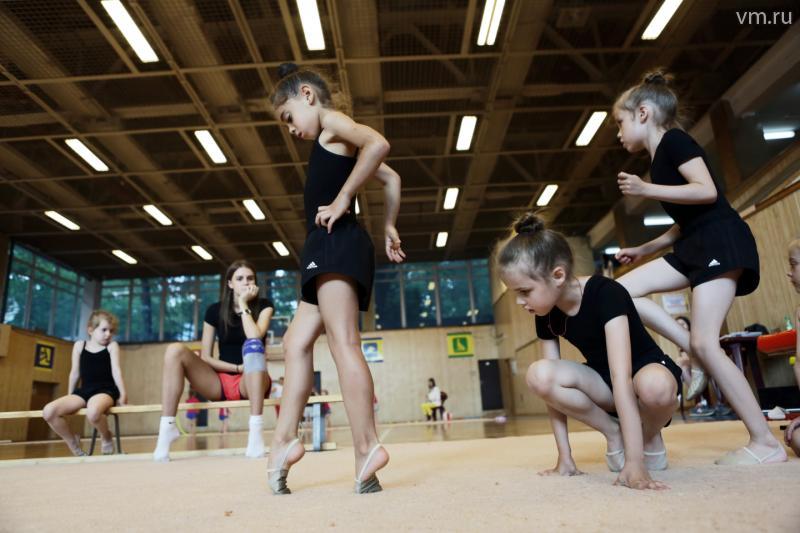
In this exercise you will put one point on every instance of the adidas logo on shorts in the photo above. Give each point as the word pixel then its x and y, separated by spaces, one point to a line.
pixel 714 263
pixel 311 265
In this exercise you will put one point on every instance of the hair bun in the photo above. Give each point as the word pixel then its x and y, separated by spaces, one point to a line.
pixel 657 77
pixel 285 69
pixel 528 224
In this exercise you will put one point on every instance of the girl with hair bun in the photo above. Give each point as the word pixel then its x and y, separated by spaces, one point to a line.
pixel 713 250
pixel 625 371
pixel 337 264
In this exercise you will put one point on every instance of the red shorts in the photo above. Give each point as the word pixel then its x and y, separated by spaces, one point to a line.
pixel 230 386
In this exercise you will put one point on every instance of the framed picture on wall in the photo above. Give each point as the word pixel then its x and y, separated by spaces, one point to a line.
pixel 44 356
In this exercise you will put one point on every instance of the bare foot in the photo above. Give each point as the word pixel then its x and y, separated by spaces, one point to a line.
pixel 280 457
pixel 378 460
pixel 563 468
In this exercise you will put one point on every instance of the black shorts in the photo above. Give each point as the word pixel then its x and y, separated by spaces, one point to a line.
pixel 639 363
pixel 347 250
pixel 709 249
pixel 88 392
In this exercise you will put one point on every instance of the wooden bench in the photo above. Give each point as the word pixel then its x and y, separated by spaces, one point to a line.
pixel 318 425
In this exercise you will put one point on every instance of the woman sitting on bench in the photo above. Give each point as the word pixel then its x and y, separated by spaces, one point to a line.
pixel 239 322
pixel 96 363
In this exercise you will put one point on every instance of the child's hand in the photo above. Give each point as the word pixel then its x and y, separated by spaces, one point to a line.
pixel 787 435
pixel 327 215
pixel 631 184
pixel 564 467
pixel 249 293
pixel 393 250
pixel 123 399
pixel 637 477
pixel 629 255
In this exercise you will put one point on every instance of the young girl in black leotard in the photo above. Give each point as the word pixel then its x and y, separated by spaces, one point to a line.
pixel 96 364
pixel 625 370
pixel 337 263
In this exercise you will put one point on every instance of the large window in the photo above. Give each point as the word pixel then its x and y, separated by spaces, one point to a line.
pixel 283 288
pixel 42 295
pixel 160 309
pixel 451 293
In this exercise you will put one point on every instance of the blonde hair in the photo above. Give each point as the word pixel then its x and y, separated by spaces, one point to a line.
pixel 535 249
pixel 655 88
pixel 292 78
pixel 98 315
pixel 794 245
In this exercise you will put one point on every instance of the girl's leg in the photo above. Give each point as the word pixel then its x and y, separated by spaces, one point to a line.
pixel 96 409
pixel 338 304
pixel 657 276
pixel 577 391
pixel 298 348
pixel 54 413
pixel 253 386
pixel 180 363
pixel 657 391
pixel 710 304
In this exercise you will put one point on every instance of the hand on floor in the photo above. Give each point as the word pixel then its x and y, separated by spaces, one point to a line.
pixel 636 476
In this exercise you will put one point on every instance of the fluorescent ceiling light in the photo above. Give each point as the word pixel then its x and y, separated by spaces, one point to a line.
pixel 661 19
pixel 130 30
pixel 441 239
pixel 591 127
pixel 778 134
pixel 450 198
pixel 465 132
pixel 87 155
pixel 254 210
pixel 611 250
pixel 281 248
pixel 202 252
pixel 358 207
pixel 158 214
pixel 210 146
pixel 659 220
pixel 490 22
pixel 125 257
pixel 312 26
pixel 64 221
pixel 547 195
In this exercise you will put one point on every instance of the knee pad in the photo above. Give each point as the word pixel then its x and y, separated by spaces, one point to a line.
pixel 253 356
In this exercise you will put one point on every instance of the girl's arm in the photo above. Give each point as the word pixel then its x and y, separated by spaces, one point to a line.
pixel 372 150
pixel 665 240
pixel 207 352
pixel 797 347
pixel 116 371
pixel 75 369
pixel 391 191
pixel 699 189
pixel 618 345
pixel 256 329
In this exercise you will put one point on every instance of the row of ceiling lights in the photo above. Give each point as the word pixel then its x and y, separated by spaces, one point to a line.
pixel 312 29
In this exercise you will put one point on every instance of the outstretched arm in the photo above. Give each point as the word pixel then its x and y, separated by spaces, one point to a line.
pixel 391 190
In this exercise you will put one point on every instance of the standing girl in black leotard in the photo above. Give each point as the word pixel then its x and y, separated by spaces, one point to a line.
pixel 337 264
pixel 96 363
pixel 714 251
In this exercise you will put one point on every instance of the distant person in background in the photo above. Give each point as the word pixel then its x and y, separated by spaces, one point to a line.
pixel 430 407
pixel 792 435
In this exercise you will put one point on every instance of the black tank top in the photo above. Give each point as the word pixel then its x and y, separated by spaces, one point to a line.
pixel 327 173
pixel 95 368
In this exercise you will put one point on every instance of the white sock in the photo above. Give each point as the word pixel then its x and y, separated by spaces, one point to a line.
pixel 255 439
pixel 167 432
